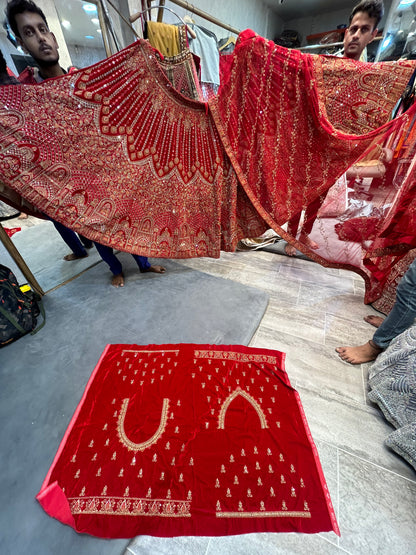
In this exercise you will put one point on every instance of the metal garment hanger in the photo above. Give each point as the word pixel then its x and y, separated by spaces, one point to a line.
pixel 136 16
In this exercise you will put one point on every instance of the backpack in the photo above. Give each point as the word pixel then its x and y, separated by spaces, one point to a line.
pixel 18 309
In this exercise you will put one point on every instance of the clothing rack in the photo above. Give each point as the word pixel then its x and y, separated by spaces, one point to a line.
pixel 161 7
pixel 189 7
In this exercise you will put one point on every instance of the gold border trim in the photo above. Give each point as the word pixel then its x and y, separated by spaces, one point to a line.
pixel 262 514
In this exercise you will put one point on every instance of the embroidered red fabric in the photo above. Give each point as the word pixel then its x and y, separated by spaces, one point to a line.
pixel 188 440
pixel 114 152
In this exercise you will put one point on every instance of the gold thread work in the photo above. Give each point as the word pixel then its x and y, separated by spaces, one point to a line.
pixel 145 444
pixel 247 397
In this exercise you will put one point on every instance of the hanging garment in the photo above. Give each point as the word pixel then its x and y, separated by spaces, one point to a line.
pixel 120 156
pixel 164 37
pixel 205 46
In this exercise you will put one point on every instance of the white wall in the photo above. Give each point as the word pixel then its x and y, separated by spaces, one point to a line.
pixel 241 14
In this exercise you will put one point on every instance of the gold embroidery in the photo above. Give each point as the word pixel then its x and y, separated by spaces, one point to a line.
pixel 122 506
pixel 145 444
pixel 231 355
pixel 247 397
pixel 140 475
pixel 263 514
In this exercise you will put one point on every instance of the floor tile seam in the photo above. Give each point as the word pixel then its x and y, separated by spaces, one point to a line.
pixel 372 463
pixel 363 379
pixel 324 280
pixel 208 546
pixel 337 545
pixel 334 544
pixel 348 402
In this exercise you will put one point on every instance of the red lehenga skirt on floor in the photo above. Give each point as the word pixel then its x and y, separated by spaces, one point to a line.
pixel 172 440
pixel 115 153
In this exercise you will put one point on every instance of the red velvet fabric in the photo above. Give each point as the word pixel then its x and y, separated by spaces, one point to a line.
pixel 188 440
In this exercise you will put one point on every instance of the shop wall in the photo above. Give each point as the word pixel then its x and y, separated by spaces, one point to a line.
pixel 326 21
pixel 241 14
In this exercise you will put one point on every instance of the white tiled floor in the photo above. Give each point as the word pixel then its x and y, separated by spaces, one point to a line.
pixel 311 311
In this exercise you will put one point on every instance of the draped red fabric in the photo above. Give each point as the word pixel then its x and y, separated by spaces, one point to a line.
pixel 188 440
pixel 292 123
pixel 114 152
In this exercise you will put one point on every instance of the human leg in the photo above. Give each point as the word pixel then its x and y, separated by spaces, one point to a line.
pixel 375 321
pixel 113 263
pixel 71 239
pixel 403 312
pixel 145 266
pixel 88 244
pixel 400 318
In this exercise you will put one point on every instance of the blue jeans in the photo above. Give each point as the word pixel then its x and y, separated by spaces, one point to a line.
pixel 77 245
pixel 403 312
pixel 113 262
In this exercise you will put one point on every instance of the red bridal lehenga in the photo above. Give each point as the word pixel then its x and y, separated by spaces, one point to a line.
pixel 175 440
pixel 114 152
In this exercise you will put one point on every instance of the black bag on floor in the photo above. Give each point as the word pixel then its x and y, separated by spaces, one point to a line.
pixel 18 310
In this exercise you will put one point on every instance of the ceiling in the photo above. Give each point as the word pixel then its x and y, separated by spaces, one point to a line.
pixel 291 9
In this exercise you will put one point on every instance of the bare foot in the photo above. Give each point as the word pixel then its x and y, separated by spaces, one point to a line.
pixel 72 256
pixel 117 280
pixel 156 269
pixel 290 250
pixel 358 355
pixel 375 321
pixel 308 241
pixel 22 216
